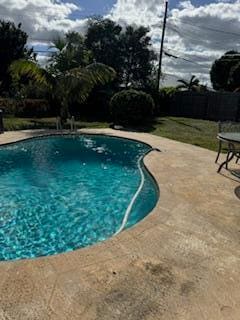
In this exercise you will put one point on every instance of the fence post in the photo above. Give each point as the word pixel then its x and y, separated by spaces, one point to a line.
pixel 206 106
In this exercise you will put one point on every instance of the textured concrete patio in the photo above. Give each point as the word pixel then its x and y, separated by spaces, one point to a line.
pixel 180 262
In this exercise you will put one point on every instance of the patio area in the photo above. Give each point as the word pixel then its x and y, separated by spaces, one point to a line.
pixel 181 262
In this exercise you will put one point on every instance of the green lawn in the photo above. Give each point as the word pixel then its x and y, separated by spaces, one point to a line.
pixel 193 131
pixel 11 123
pixel 200 133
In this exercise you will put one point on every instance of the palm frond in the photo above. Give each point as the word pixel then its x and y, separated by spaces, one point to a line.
pixel 79 82
pixel 21 68
pixel 192 79
pixel 59 44
pixel 101 73
pixel 181 86
pixel 184 82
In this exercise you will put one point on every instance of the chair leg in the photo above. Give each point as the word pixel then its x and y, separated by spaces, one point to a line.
pixel 228 157
pixel 219 151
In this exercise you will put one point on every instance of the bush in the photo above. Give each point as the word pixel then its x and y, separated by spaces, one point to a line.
pixel 8 106
pixel 131 107
pixel 96 107
pixel 26 108
pixel 33 108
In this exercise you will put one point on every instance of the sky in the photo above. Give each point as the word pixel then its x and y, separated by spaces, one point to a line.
pixel 198 32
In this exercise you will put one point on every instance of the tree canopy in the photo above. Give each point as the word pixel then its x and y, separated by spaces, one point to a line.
pixel 13 47
pixel 71 52
pixel 224 75
pixel 68 87
pixel 137 56
pixel 103 39
pixel 191 85
pixel 127 50
pixel 234 77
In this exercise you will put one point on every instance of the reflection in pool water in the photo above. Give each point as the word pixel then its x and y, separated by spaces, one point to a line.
pixel 60 193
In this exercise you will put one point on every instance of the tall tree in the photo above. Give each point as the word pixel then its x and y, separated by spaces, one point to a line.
pixel 127 50
pixel 234 77
pixel 137 56
pixel 103 40
pixel 221 71
pixel 191 85
pixel 13 47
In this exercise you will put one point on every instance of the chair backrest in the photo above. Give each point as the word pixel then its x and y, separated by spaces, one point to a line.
pixel 228 126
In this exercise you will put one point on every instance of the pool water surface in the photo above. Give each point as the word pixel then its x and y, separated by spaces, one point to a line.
pixel 61 193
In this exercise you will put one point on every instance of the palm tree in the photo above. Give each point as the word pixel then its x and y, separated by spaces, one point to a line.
pixel 69 52
pixel 191 85
pixel 58 44
pixel 71 86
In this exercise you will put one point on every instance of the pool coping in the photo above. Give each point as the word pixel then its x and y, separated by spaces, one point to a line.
pixel 182 259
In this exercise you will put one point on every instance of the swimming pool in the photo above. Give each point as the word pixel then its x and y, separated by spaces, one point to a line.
pixel 61 193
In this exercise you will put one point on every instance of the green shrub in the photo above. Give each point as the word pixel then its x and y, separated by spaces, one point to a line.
pixel 131 107
pixel 26 108
pixel 168 91
pixel 33 108
pixel 96 107
pixel 8 105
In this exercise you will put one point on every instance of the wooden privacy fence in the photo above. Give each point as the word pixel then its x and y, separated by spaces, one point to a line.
pixel 218 106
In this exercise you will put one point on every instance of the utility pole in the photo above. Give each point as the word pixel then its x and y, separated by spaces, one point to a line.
pixel 162 43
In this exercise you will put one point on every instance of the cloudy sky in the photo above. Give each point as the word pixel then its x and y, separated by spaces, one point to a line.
pixel 197 31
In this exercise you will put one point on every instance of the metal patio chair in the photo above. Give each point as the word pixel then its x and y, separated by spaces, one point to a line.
pixel 227 127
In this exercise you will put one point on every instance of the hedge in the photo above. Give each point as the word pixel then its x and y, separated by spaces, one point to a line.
pixel 131 107
pixel 26 108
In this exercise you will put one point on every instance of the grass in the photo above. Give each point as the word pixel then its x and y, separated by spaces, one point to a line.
pixel 200 133
pixel 11 123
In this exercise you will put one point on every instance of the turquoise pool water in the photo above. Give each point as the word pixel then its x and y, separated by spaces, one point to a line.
pixel 61 193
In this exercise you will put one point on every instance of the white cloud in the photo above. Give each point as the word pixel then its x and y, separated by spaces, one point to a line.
pixel 42 19
pixel 189 34
pixel 139 12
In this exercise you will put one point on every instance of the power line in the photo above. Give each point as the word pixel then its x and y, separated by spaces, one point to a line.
pixel 181 32
pixel 189 35
pixel 189 54
pixel 181 52
pixel 171 75
pixel 187 60
pixel 210 28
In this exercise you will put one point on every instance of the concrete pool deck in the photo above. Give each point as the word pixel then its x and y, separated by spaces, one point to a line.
pixel 181 262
